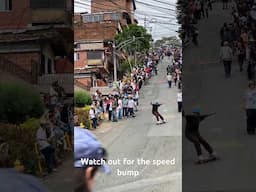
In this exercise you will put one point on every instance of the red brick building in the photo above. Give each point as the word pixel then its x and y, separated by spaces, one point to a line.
pixel 36 40
pixel 93 36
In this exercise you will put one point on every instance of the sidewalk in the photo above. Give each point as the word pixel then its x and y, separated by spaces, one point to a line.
pixel 62 180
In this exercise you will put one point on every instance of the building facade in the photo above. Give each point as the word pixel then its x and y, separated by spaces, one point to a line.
pixel 36 40
pixel 94 34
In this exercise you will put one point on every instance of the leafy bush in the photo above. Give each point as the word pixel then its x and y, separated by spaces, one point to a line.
pixel 82 98
pixel 21 140
pixel 83 115
pixel 19 102
pixel 31 124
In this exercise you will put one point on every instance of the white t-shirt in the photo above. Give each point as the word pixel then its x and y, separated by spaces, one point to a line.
pixel 169 77
pixel 131 103
pixel 42 138
pixel 250 97
pixel 92 114
pixel 226 53
pixel 120 104
pixel 179 97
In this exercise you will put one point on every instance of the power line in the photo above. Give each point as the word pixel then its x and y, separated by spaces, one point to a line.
pixel 136 12
pixel 152 6
pixel 159 11
pixel 156 6
pixel 160 21
pixel 170 4
pixel 150 14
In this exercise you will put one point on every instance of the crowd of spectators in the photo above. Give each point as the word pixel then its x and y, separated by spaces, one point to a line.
pixel 190 13
pixel 123 102
pixel 240 34
pixel 55 132
pixel 174 69
pixel 238 40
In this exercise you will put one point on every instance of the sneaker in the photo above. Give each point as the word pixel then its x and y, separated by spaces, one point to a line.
pixel 163 121
pixel 201 159
pixel 212 155
pixel 158 122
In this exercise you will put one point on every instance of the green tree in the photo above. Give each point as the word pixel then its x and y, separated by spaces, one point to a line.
pixel 142 38
pixel 19 102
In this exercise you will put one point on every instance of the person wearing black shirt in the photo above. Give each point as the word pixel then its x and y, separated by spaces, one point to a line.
pixel 155 112
pixel 192 133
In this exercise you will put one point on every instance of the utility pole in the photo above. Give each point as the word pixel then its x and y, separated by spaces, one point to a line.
pixel 135 54
pixel 115 62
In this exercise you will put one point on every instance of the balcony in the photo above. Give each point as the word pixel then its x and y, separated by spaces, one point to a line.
pixel 50 16
pixel 51 12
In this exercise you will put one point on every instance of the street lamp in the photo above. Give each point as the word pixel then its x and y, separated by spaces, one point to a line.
pixel 119 47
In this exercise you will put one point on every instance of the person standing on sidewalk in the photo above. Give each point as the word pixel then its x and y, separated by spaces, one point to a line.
pixel 175 78
pixel 206 12
pixel 125 106
pixel 169 79
pixel 93 116
pixel 179 100
pixel 120 108
pixel 114 109
pixel 210 4
pixel 193 135
pixel 241 55
pixel 131 106
pixel 226 55
pixel 155 112
pixel 250 106
pixel 109 108
pixel 224 4
pixel 202 8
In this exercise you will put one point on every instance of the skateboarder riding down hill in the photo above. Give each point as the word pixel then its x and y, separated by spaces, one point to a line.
pixel 192 134
pixel 155 112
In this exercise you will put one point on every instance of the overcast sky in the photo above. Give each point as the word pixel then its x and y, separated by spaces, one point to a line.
pixel 160 22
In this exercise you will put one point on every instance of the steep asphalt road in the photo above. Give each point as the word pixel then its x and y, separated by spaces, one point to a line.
pixel 142 138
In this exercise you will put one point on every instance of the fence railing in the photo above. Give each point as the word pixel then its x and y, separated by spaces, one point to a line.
pixel 14 69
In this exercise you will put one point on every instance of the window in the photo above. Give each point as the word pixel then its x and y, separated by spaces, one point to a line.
pixel 77 46
pixel 93 18
pixel 94 55
pixel 76 56
pixel 115 16
pixel 5 5
pixel 47 3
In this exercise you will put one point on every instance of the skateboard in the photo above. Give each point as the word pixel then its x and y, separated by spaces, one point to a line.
pixel 161 123
pixel 208 160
